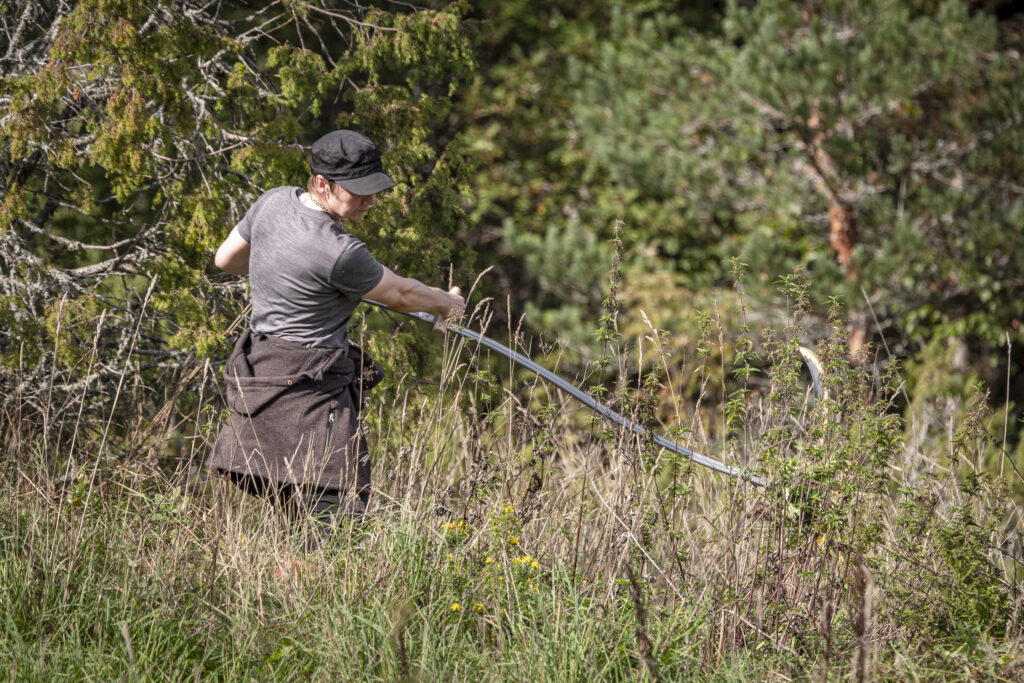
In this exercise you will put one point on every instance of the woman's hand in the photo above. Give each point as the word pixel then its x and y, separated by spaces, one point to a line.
pixel 457 306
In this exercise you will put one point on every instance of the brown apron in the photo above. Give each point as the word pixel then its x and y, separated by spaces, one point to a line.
pixel 294 414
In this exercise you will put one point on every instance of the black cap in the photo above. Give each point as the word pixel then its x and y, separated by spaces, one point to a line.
pixel 350 160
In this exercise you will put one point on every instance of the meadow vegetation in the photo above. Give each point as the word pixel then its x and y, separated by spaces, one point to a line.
pixel 513 534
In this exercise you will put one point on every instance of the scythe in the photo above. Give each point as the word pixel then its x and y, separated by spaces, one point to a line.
pixel 587 400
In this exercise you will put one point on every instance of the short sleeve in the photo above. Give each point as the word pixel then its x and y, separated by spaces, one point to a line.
pixel 355 271
pixel 244 226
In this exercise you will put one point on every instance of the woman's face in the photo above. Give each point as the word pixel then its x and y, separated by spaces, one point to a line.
pixel 344 204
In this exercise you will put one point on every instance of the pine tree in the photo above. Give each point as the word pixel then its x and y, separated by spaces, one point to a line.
pixel 875 144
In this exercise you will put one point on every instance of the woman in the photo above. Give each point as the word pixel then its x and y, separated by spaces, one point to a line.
pixel 294 380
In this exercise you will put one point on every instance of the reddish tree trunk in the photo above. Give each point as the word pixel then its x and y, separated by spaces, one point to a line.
pixel 843 238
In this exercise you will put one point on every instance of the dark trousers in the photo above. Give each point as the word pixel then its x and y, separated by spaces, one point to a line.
pixel 303 503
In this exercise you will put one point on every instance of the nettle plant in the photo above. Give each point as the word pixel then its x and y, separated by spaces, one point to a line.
pixel 853 540
pixel 955 574
pixel 850 517
pixel 825 459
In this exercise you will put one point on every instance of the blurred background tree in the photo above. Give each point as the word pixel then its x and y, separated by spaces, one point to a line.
pixel 877 146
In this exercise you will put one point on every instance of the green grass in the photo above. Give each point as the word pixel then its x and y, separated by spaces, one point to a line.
pixel 167 599
pixel 511 538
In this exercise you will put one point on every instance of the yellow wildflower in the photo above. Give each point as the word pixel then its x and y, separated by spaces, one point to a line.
pixel 456 607
pixel 514 540
pixel 478 606
pixel 488 560
pixel 535 564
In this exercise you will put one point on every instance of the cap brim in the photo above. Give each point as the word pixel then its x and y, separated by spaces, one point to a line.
pixel 371 184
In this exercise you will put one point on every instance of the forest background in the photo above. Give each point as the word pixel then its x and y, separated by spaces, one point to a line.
pixel 851 174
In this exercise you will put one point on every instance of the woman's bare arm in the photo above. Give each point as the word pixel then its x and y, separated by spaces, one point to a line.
pixel 233 254
pixel 406 294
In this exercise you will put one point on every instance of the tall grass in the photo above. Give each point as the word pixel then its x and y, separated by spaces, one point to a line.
pixel 512 535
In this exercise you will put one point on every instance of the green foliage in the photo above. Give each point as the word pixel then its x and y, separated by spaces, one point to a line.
pixel 750 133
pixel 135 135
pixel 534 214
pixel 947 558
pixel 799 107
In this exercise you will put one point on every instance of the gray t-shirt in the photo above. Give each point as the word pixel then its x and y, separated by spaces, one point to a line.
pixel 306 273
